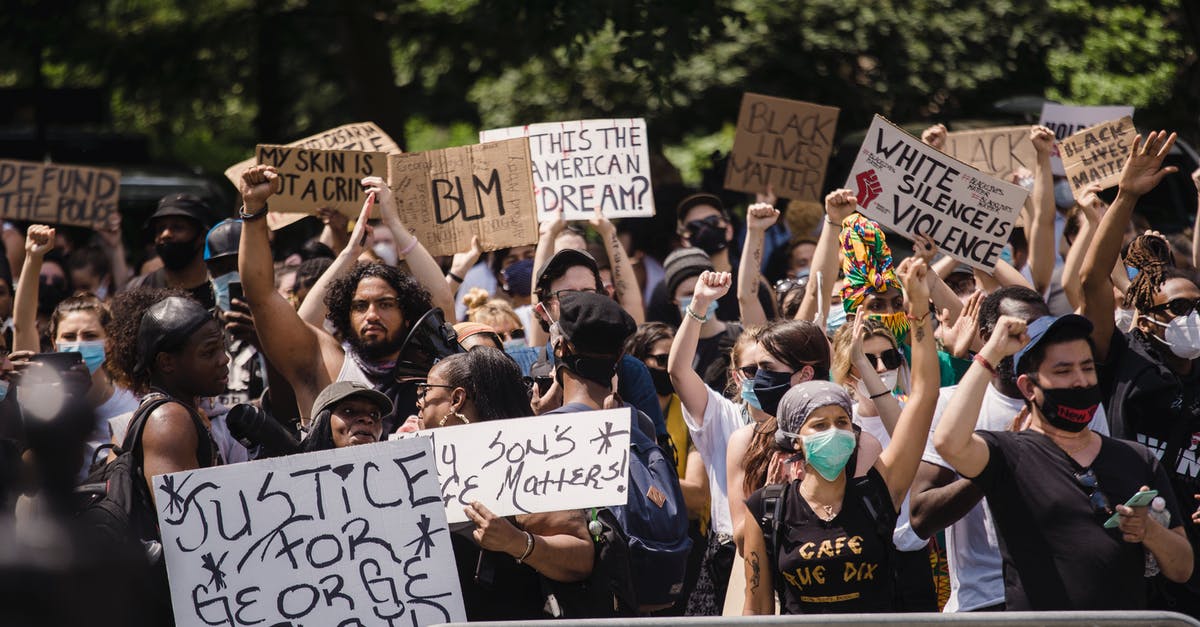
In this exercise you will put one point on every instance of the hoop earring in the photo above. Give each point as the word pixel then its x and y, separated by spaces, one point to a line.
pixel 462 418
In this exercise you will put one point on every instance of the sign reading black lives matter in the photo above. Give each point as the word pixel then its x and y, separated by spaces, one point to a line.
pixel 587 165
pixel 538 464
pixel 784 144
pixel 311 179
pixel 1066 120
pixel 52 193
pixel 910 187
pixel 1097 154
pixel 353 536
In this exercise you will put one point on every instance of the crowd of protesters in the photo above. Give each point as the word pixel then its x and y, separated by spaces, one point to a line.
pixel 848 431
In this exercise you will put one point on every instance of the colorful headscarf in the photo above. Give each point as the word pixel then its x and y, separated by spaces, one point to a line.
pixel 866 262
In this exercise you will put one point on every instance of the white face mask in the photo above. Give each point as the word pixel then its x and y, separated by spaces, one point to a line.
pixel 386 252
pixel 889 379
pixel 1124 319
pixel 1182 335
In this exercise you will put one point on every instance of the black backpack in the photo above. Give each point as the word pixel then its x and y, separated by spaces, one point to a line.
pixel 114 502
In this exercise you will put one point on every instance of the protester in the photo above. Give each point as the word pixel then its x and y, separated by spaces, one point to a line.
pixel 346 413
pixel 682 269
pixel 178 228
pixel 497 314
pixel 472 334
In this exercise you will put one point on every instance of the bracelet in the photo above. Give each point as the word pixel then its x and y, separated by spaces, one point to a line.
pixel 828 221
pixel 875 396
pixel 528 548
pixel 982 361
pixel 246 217
pixel 455 277
pixel 691 314
pixel 918 319
pixel 412 243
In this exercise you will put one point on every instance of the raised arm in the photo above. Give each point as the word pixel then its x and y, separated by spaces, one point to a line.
pixel 624 281
pixel 759 217
pixel 692 391
pixel 424 269
pixel 547 231
pixel 462 263
pixel 1196 222
pixel 1041 235
pixel 955 438
pixel 287 341
pixel 939 498
pixel 39 240
pixel 333 234
pixel 898 462
pixel 880 396
pixel 1142 172
pixel 313 309
pixel 114 249
pixel 839 204
pixel 1089 217
pixel 944 299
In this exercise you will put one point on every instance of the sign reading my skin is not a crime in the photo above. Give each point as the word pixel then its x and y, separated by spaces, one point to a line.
pixel 910 187
pixel 310 179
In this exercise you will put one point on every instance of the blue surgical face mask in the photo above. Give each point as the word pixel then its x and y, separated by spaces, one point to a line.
pixel 92 352
pixel 837 317
pixel 221 289
pixel 748 394
pixel 687 300
pixel 1064 198
pixel 769 388
pixel 3 389
pixel 1006 254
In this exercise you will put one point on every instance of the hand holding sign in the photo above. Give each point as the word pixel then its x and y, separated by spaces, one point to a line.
pixel 1042 139
pixel 363 232
pixel 935 136
pixel 1090 204
pixel 554 224
pixel 110 231
pixel 258 184
pixel 39 240
pixel 924 247
pixel 602 224
pixel 1143 171
pixel 494 533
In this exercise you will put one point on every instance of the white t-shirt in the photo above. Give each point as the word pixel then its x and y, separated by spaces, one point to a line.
pixel 122 401
pixel 903 537
pixel 721 418
pixel 976 578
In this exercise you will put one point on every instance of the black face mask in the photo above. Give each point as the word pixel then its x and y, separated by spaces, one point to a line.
pixel 662 381
pixel 707 234
pixel 769 388
pixel 1070 409
pixel 177 255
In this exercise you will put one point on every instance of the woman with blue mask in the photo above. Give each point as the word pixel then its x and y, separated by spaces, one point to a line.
pixel 836 519
pixel 76 326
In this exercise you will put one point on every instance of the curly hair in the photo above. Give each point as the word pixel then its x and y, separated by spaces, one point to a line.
pixel 121 350
pixel 414 299
pixel 492 380
pixel 1155 261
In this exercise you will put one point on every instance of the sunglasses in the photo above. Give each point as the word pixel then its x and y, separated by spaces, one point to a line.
pixel 660 361
pixel 749 371
pixel 516 334
pixel 1178 306
pixel 1100 504
pixel 559 294
pixel 891 358
pixel 695 226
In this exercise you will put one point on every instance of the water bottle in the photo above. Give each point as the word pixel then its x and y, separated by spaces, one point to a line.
pixel 1158 511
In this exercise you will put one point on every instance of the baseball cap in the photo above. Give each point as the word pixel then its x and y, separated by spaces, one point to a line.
pixel 166 326
pixel 1040 328
pixel 185 205
pixel 339 391
pixel 560 263
pixel 702 198
pixel 223 240
pixel 682 264
pixel 593 323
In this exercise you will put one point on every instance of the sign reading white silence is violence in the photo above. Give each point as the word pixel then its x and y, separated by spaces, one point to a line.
pixel 537 464
pixel 353 536
pixel 586 166
pixel 911 188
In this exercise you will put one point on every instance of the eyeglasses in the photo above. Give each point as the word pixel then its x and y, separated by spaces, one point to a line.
pixel 423 389
pixel 1178 306
pixel 783 286
pixel 1100 504
pixel 559 293
pixel 890 358
pixel 659 361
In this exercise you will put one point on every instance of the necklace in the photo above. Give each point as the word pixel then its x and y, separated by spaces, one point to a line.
pixel 828 509
pixel 828 513
pixel 1080 447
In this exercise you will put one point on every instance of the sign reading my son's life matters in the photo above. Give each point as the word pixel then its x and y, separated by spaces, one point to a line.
pixel 587 166
pixel 310 179
pixel 353 536
pixel 910 187
pixel 538 464
pixel 52 193
pixel 447 196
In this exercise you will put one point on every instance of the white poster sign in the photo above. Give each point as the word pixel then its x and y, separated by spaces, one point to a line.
pixel 1066 120
pixel 909 187
pixel 587 165
pixel 353 536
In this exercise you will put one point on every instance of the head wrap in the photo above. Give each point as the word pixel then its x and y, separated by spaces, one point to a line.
pixel 866 262
pixel 801 401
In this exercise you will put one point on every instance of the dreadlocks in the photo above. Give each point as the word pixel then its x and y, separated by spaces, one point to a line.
pixel 1155 261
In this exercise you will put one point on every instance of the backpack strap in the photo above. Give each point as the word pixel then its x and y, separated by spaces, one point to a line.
pixel 774 500
pixel 137 426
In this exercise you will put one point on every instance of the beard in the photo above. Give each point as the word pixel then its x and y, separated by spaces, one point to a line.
pixel 375 350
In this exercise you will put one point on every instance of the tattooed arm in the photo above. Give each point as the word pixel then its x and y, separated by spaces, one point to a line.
pixel 760 593
pixel 624 282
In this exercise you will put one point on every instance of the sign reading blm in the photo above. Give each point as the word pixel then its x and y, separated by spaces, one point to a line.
pixel 587 166
pixel 447 196
pixel 1097 153
pixel 910 187
pixel 50 193
pixel 533 465
pixel 311 179
pixel 781 144
pixel 353 536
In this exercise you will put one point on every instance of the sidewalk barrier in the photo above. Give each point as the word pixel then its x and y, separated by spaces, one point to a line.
pixel 982 619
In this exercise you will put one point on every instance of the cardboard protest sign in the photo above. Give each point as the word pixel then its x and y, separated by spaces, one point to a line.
pixel 784 144
pixel 996 151
pixel 587 165
pixel 311 178
pixel 52 193
pixel 362 136
pixel 910 187
pixel 446 196
pixel 1066 120
pixel 316 539
pixel 1097 153
pixel 532 465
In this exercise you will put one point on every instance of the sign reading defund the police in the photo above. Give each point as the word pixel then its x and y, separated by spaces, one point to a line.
pixel 913 188
pixel 310 179
pixel 351 537
pixel 539 464
pixel 586 166
pixel 53 193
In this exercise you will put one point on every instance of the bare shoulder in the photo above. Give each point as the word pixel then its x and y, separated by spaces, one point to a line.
pixel 169 428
